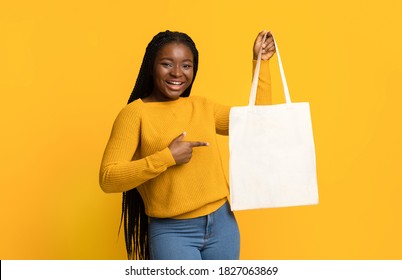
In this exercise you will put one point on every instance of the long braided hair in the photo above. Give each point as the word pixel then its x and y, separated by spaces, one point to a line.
pixel 133 215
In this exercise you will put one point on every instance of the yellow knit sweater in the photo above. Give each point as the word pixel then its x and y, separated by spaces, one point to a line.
pixel 137 153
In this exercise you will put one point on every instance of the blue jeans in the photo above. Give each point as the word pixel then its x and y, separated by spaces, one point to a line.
pixel 211 237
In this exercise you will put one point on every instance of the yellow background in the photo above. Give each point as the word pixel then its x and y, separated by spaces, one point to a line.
pixel 68 67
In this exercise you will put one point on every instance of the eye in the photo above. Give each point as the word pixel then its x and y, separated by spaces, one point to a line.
pixel 187 66
pixel 167 64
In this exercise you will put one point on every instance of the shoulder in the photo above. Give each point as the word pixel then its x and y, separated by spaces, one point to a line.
pixel 132 110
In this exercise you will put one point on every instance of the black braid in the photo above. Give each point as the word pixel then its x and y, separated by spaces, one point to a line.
pixel 133 210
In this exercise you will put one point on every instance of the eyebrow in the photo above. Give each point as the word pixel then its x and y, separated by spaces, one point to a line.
pixel 168 58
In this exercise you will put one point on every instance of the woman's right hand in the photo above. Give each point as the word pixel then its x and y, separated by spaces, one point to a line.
pixel 182 150
pixel 268 46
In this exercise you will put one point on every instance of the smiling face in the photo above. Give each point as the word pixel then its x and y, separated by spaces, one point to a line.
pixel 173 72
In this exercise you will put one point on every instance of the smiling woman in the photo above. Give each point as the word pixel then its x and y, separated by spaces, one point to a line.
pixel 163 156
pixel 172 73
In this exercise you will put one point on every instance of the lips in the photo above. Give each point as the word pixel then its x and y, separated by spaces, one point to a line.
pixel 175 85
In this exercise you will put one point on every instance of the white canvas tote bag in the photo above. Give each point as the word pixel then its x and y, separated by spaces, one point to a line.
pixel 272 155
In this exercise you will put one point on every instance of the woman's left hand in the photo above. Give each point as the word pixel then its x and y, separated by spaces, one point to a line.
pixel 268 46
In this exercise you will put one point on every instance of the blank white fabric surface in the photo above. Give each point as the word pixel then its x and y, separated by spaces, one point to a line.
pixel 272 157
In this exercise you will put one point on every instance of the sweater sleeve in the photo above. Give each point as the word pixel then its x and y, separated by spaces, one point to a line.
pixel 120 171
pixel 221 115
pixel 264 90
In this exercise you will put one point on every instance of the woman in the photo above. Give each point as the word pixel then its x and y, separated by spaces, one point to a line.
pixel 163 156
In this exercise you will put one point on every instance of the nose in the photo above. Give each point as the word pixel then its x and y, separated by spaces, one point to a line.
pixel 176 71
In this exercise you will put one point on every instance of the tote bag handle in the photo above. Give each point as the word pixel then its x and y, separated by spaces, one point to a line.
pixel 254 85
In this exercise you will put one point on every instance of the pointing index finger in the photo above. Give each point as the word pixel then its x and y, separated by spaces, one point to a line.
pixel 194 144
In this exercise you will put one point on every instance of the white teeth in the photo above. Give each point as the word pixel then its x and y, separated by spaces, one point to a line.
pixel 175 83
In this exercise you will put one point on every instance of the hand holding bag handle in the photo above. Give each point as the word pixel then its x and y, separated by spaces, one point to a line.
pixel 253 92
